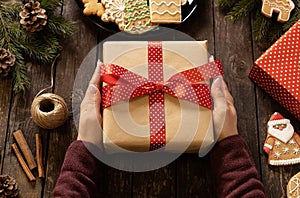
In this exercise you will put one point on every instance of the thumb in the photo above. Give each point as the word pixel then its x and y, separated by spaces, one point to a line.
pixel 217 93
pixel 92 97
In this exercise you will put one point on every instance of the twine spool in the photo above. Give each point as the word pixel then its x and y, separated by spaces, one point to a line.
pixel 49 111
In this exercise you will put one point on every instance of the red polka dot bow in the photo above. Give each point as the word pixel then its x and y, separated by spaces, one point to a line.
pixel 124 85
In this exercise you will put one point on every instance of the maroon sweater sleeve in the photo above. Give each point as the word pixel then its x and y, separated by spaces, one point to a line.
pixel 231 163
pixel 234 169
pixel 80 173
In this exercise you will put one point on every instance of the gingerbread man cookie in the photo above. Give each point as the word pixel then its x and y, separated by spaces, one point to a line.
pixel 114 12
pixel 283 7
pixel 282 143
pixel 92 7
pixel 183 2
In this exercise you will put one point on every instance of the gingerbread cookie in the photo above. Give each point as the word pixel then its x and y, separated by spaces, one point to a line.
pixel 165 11
pixel 283 7
pixel 92 7
pixel 114 12
pixel 183 2
pixel 282 142
pixel 137 16
pixel 293 187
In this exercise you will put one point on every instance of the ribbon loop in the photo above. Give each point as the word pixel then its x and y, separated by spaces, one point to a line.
pixel 183 85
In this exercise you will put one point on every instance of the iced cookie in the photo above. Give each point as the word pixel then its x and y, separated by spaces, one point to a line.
pixel 282 142
pixel 165 11
pixel 137 17
pixel 282 7
pixel 114 12
pixel 293 187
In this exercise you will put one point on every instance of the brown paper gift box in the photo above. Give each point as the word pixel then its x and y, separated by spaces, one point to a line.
pixel 126 125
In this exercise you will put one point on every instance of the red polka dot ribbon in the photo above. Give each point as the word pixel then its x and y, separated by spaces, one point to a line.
pixel 124 85
pixel 156 99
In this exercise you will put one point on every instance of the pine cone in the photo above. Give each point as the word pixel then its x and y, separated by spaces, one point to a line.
pixel 8 187
pixel 33 18
pixel 7 62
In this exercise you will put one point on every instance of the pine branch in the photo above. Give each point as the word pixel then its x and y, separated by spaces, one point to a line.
pixel 241 9
pixel 20 78
pixel 12 9
pixel 261 26
pixel 264 29
pixel 226 3
pixel 60 26
pixel 51 5
pixel 40 52
pixel 39 47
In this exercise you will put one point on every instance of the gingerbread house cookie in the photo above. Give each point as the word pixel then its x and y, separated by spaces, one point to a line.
pixel 165 11
pixel 282 7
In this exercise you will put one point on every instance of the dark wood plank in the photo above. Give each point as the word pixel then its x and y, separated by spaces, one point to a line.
pixel 275 179
pixel 117 183
pixel 20 118
pixel 193 178
pixel 5 99
pixel 233 46
pixel 74 51
pixel 156 183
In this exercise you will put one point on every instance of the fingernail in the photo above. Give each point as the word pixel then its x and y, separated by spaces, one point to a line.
pixel 92 89
pixel 218 83
pixel 99 62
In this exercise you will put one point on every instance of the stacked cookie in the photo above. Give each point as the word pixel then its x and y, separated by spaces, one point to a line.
pixel 135 16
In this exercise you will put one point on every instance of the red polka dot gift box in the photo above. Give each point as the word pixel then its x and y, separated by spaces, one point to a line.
pixel 277 71
pixel 156 96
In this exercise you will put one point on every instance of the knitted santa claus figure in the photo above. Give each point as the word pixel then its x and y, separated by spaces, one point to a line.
pixel 282 143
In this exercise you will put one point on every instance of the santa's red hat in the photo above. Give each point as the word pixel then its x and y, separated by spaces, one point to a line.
pixel 277 118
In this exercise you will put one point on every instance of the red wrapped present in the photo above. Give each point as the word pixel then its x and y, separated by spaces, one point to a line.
pixel 277 71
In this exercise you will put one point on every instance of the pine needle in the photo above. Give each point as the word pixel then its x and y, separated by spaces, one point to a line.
pixel 264 29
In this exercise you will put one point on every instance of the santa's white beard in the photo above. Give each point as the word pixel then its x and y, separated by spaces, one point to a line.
pixel 285 135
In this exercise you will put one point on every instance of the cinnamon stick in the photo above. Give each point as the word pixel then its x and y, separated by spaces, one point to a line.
pixel 39 155
pixel 23 163
pixel 20 139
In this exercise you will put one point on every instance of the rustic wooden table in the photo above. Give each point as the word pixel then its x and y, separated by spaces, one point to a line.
pixel 188 176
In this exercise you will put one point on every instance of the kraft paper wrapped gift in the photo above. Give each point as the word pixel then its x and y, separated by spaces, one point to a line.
pixel 126 124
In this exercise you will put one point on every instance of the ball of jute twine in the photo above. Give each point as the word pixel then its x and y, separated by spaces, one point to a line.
pixel 49 111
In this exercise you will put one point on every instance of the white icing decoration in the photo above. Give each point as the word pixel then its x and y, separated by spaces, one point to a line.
pixel 167 4
pixel 296 151
pixel 296 182
pixel 166 11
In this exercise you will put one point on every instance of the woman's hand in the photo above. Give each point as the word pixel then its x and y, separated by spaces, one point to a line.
pixel 90 129
pixel 224 113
